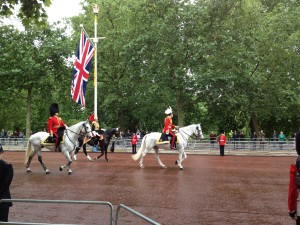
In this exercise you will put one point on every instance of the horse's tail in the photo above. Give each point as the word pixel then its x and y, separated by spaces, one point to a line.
pixel 297 143
pixel 142 148
pixel 28 150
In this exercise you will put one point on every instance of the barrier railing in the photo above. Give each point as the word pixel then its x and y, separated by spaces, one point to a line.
pixel 121 206
pixel 111 210
pixel 59 202
pixel 238 145
pixel 197 146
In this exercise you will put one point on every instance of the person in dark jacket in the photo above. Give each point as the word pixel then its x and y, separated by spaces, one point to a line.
pixel 6 176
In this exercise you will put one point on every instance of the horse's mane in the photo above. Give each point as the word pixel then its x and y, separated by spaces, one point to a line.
pixel 111 129
pixel 75 125
pixel 187 127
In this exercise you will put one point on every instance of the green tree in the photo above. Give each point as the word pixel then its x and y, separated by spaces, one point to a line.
pixel 249 73
pixel 36 69
pixel 30 10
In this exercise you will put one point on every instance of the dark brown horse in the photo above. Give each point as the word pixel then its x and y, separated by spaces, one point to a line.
pixel 96 142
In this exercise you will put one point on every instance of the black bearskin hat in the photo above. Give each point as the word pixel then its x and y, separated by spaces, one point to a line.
pixel 54 109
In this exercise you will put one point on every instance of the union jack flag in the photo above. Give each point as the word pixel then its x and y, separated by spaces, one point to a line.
pixel 82 65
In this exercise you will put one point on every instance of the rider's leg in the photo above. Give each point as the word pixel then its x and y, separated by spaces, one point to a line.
pixel 56 142
pixel 172 140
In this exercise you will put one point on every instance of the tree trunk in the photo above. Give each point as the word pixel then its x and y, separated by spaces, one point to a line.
pixel 179 109
pixel 255 122
pixel 28 114
pixel 121 119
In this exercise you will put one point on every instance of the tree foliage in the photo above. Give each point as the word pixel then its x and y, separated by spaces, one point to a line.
pixel 35 74
pixel 30 10
pixel 227 64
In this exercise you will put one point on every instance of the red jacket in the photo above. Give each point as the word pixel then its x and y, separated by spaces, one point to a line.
pixel 222 139
pixel 168 125
pixel 134 139
pixel 293 193
pixel 54 122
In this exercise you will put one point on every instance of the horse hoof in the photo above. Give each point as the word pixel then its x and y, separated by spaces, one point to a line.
pixel 142 167
pixel 106 160
pixel 60 168
pixel 164 167
pixel 181 168
pixel 75 157
pixel 48 172
pixel 70 173
pixel 176 162
pixel 28 170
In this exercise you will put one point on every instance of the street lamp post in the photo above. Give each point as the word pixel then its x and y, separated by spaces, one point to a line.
pixel 95 11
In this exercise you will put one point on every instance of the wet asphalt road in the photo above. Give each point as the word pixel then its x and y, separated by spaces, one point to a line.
pixel 211 190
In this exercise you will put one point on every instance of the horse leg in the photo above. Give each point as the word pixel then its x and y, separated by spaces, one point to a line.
pixel 102 150
pixel 67 154
pixel 80 142
pixel 85 152
pixel 106 154
pixel 181 157
pixel 75 153
pixel 67 165
pixel 28 170
pixel 142 157
pixel 42 163
pixel 99 156
pixel 157 157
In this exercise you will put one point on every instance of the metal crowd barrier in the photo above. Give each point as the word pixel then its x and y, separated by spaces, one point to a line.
pixel 111 208
pixel 121 206
pixel 204 146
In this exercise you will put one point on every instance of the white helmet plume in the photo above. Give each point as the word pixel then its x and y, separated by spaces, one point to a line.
pixel 168 110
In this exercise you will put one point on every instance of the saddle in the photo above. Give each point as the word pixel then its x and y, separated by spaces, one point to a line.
pixel 164 139
pixel 51 141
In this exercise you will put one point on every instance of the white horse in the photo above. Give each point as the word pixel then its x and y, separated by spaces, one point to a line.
pixel 150 141
pixel 71 135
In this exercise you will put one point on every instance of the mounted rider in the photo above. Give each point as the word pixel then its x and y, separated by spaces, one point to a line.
pixel 56 125
pixel 169 126
pixel 96 131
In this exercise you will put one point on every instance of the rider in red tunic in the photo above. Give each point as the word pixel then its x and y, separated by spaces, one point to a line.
pixel 56 125
pixel 169 126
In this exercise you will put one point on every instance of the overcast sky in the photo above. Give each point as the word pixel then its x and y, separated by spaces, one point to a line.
pixel 60 9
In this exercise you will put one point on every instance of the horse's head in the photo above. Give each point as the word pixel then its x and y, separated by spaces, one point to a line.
pixel 117 132
pixel 86 129
pixel 112 132
pixel 198 131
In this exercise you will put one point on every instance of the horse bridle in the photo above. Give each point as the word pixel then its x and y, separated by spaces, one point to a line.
pixel 80 133
pixel 186 139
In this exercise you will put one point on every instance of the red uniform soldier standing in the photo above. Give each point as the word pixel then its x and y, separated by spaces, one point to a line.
pixel 222 142
pixel 134 140
pixel 56 125
pixel 168 126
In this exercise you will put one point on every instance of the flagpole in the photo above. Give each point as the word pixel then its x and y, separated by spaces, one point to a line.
pixel 95 11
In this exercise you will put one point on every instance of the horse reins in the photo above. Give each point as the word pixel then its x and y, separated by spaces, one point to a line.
pixel 80 134
pixel 186 139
